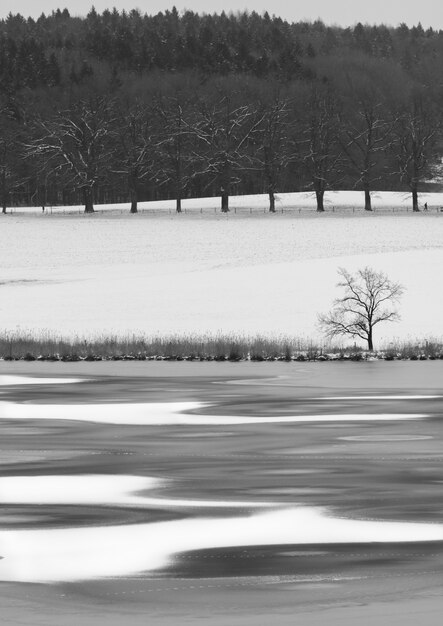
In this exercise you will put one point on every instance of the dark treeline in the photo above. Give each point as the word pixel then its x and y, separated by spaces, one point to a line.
pixel 118 107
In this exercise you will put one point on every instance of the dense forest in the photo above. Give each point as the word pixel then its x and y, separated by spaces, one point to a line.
pixel 123 107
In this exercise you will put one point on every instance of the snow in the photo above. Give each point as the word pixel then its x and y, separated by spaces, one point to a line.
pixel 69 554
pixel 404 397
pixel 100 490
pixel 162 273
pixel 172 413
pixel 381 200
pixel 7 380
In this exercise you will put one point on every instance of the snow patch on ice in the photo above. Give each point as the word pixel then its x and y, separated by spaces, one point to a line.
pixel 8 380
pixel 69 554
pixel 377 398
pixel 101 490
pixel 172 414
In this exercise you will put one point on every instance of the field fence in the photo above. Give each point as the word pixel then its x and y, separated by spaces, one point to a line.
pixel 214 210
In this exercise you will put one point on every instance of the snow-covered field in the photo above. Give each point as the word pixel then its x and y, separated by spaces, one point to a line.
pixel 244 272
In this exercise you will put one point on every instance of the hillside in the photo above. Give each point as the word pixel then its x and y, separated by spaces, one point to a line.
pixel 120 107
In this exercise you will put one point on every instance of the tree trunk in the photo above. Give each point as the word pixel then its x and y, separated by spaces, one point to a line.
pixel 134 200
pixel 368 204
pixel 370 343
pixel 133 190
pixel 225 201
pixel 270 178
pixel 415 198
pixel 320 200
pixel 88 200
pixel 271 201
pixel 179 187
pixel 5 193
pixel 225 186
pixel 41 195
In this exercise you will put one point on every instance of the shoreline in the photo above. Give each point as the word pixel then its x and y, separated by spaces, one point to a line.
pixel 205 348
pixel 356 358
pixel 335 357
pixel 308 374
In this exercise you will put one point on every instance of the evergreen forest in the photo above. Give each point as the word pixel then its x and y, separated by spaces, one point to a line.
pixel 127 107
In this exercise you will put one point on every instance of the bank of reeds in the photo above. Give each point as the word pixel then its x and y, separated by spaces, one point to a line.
pixel 49 347
pixel 15 346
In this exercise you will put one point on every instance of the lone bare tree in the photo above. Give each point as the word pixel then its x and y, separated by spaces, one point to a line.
pixel 368 299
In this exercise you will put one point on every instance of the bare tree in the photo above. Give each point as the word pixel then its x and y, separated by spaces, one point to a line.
pixel 224 132
pixel 416 133
pixel 368 300
pixel 9 154
pixel 173 144
pixel 274 153
pixel 76 142
pixel 134 148
pixel 7 177
pixel 366 127
pixel 321 154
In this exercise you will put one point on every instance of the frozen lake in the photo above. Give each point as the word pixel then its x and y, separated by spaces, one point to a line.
pixel 155 484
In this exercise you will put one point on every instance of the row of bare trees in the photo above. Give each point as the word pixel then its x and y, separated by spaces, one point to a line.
pixel 361 130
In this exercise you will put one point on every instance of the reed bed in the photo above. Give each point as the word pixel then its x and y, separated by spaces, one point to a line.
pixel 18 346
